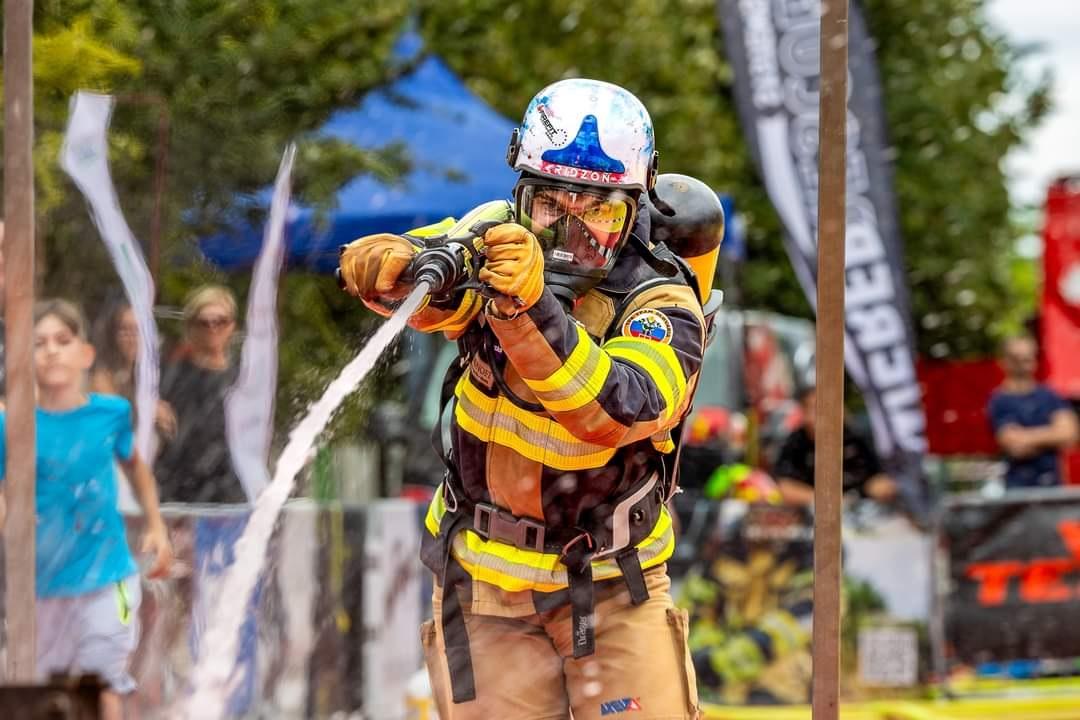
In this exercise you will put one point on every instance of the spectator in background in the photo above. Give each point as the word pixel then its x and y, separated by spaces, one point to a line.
pixel 195 465
pixel 794 467
pixel 117 340
pixel 1031 422
pixel 87 582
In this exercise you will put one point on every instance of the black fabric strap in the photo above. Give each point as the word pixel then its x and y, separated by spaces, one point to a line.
pixel 577 556
pixel 630 566
pixel 456 636
pixel 582 610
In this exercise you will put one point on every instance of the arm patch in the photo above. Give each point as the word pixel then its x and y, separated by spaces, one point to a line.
pixel 648 324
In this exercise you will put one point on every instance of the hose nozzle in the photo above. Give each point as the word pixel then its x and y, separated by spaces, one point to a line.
pixel 443 267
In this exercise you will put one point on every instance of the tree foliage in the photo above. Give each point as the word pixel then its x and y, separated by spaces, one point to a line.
pixel 956 105
pixel 225 87
pixel 228 85
pixel 946 75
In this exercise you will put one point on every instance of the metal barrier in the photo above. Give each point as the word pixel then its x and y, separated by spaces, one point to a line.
pixel 330 621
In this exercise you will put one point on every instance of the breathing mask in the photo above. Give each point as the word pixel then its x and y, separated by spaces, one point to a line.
pixel 580 229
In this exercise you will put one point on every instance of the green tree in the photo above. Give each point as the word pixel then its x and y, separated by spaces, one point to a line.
pixel 945 72
pixel 236 82
pixel 78 49
pixel 230 84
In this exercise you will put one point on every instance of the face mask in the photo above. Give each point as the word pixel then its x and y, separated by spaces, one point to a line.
pixel 580 230
pixel 570 240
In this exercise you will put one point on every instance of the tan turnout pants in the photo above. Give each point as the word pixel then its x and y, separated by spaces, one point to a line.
pixel 525 669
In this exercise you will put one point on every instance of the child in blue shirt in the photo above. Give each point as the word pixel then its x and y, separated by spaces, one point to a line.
pixel 87 587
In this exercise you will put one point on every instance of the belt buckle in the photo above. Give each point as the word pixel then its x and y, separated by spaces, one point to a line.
pixel 493 523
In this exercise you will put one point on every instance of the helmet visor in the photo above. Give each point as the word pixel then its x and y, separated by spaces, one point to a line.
pixel 580 230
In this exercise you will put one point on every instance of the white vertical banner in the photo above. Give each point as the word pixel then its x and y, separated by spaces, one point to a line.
pixel 249 406
pixel 85 157
pixel 391 602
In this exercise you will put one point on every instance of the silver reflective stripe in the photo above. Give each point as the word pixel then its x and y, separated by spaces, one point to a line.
pixel 620 519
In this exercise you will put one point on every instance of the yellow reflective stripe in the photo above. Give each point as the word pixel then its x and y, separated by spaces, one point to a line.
pixel 513 569
pixel 433 230
pixel 665 444
pixel 658 361
pixel 578 381
pixel 503 430
pixel 661 353
pixel 461 317
pixel 537 438
pixel 435 511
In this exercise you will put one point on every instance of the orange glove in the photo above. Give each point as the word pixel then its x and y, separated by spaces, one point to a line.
pixel 372 266
pixel 514 268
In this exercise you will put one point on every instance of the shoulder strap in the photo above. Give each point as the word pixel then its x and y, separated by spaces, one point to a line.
pixel 454 373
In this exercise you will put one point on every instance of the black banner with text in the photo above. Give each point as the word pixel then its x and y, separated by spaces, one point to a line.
pixel 773 47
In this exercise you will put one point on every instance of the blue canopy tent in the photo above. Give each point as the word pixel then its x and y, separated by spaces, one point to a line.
pixel 456 145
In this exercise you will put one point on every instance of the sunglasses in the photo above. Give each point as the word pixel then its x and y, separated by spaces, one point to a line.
pixel 213 323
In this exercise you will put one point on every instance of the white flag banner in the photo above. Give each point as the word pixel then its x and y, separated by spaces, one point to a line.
pixel 85 157
pixel 249 406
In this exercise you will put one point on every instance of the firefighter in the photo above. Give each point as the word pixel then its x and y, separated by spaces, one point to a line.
pixel 580 347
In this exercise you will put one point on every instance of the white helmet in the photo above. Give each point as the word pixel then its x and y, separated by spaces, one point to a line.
pixel 585 151
pixel 586 132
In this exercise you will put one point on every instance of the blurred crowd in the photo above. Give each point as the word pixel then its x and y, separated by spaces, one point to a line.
pixel 192 463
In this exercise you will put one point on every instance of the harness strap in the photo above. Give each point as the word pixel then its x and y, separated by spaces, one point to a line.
pixel 577 556
pixel 630 566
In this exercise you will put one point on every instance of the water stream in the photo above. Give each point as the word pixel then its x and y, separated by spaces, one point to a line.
pixel 217 657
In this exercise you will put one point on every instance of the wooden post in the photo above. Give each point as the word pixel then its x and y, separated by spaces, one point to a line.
pixel 828 454
pixel 19 322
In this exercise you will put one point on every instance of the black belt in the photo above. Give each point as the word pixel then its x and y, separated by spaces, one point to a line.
pixel 577 549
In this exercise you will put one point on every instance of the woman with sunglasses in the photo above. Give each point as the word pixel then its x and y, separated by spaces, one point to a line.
pixel 194 466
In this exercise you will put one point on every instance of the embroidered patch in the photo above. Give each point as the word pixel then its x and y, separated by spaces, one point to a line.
pixel 614 707
pixel 479 371
pixel 648 324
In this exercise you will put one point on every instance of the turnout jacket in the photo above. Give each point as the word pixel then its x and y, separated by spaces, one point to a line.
pixel 593 398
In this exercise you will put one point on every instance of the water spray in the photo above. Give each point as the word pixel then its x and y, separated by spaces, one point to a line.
pixel 440 270
pixel 217 657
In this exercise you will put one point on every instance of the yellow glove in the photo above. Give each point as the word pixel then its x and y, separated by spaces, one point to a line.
pixel 514 268
pixel 453 321
pixel 371 267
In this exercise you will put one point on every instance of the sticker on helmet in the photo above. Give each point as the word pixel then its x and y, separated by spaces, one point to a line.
pixel 585 151
pixel 648 324
pixel 554 134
